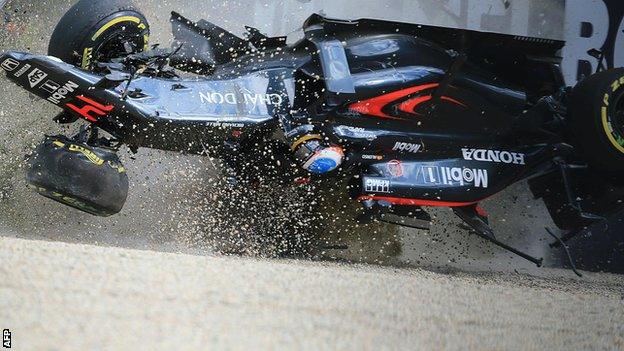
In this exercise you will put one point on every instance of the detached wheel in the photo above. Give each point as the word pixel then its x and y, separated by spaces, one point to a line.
pixel 97 31
pixel 91 179
pixel 596 115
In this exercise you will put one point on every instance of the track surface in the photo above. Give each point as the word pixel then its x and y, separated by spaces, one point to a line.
pixel 68 296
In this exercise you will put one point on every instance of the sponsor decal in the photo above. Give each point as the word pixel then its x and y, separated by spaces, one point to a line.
pixel 50 86
pixel 58 92
pixel 225 125
pixel 118 167
pixel 373 185
pixel 92 110
pixel 407 147
pixel 95 159
pixel 372 157
pixel 9 64
pixel 247 98
pixel 22 70
pixel 90 155
pixel 395 168
pixel 36 76
pixel 454 176
pixel 64 198
pixel 356 132
pixel 493 156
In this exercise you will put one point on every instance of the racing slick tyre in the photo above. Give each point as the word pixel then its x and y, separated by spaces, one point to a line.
pixel 91 179
pixel 97 31
pixel 596 113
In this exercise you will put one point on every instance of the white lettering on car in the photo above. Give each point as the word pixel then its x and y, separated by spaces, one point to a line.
pixel 231 98
pixel 407 147
pixel 453 176
pixel 493 156
pixel 61 92
pixel 377 185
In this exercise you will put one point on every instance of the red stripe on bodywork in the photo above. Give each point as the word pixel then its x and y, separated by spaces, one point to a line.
pixel 374 106
pixel 415 202
pixel 107 108
pixel 453 101
pixel 410 105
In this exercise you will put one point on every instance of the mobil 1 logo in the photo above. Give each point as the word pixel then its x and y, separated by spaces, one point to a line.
pixel 50 86
pixel 455 176
pixel 407 147
pixel 57 91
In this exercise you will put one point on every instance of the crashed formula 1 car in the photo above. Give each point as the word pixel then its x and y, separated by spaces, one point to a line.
pixel 414 116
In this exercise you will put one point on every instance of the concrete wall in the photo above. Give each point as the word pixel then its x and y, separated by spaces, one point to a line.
pixel 592 24
pixel 278 17
pixel 526 17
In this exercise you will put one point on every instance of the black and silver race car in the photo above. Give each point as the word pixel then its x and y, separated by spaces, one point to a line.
pixel 413 115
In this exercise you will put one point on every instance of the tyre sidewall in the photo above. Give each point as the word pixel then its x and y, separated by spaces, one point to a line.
pixel 592 109
pixel 130 22
pixel 88 178
pixel 89 23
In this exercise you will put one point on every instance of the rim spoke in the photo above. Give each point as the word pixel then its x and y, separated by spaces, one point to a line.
pixel 619 114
